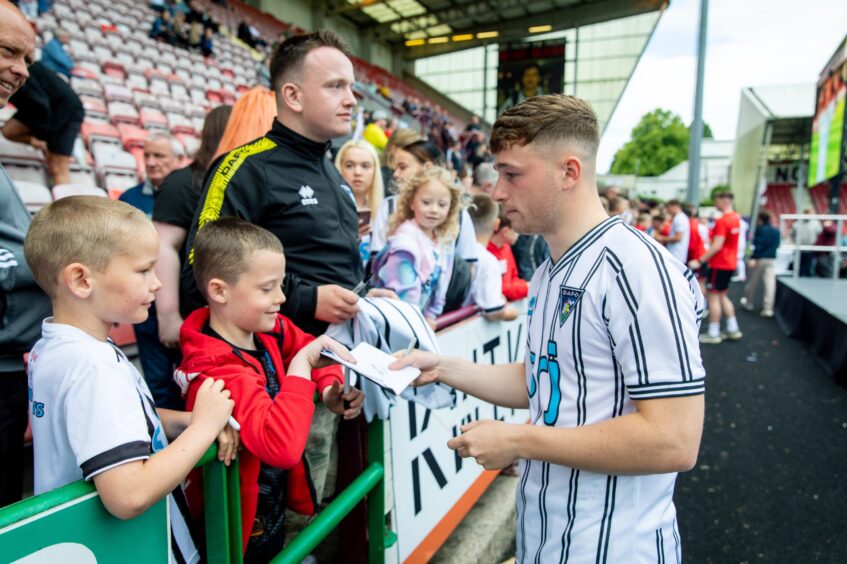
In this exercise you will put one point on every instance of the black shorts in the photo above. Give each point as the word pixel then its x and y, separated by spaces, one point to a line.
pixel 718 280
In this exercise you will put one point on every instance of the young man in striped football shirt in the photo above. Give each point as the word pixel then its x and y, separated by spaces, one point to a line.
pixel 612 376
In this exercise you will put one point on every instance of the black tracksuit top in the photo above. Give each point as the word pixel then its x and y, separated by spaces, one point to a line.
pixel 286 184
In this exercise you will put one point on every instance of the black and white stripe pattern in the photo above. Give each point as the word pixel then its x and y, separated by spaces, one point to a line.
pixel 630 334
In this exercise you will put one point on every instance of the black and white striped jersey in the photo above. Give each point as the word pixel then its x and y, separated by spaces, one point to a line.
pixel 92 412
pixel 615 319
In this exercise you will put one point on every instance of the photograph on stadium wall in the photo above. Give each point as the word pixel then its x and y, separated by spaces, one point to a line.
pixel 529 69
pixel 825 154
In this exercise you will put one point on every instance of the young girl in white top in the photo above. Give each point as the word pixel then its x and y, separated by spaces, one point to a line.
pixel 417 261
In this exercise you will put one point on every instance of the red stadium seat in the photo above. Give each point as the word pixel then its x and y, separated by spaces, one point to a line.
pixel 94 130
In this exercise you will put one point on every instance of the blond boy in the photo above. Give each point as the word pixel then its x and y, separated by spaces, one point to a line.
pixel 93 417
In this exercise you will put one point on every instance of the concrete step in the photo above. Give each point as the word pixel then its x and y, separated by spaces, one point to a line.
pixel 487 533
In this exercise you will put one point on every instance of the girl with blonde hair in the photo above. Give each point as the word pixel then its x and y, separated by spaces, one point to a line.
pixel 417 261
pixel 358 164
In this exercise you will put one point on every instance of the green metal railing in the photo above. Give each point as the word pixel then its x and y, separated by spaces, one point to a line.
pixel 370 484
pixel 222 503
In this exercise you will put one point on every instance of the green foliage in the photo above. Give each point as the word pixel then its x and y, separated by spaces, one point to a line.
pixel 658 143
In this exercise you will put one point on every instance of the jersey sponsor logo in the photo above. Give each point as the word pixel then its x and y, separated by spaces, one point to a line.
pixel 568 299
pixel 307 194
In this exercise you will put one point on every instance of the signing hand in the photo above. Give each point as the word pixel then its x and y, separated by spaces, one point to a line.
pixel 427 362
pixel 488 442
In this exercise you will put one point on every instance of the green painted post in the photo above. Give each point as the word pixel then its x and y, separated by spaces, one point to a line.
pixel 376 498
pixel 233 492
pixel 216 511
pixel 328 519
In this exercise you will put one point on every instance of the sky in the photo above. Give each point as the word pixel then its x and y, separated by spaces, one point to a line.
pixel 749 43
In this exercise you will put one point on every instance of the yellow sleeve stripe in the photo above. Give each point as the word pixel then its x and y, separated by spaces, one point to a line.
pixel 217 187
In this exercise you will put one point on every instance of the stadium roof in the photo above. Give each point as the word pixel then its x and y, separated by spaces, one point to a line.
pixel 432 27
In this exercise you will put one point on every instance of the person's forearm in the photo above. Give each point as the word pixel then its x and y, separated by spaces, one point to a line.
pixel 174 422
pixel 131 489
pixel 501 384
pixel 167 270
pixel 630 444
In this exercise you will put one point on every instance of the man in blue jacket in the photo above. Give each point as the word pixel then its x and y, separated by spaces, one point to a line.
pixel 761 264
pixel 54 56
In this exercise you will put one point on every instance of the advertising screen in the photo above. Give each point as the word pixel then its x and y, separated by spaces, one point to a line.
pixel 828 124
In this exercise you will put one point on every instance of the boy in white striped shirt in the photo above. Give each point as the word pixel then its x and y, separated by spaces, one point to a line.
pixel 613 377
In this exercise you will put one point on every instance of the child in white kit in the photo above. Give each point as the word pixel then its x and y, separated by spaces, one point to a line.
pixel 93 417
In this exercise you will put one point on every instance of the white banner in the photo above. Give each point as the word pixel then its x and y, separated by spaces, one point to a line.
pixel 429 479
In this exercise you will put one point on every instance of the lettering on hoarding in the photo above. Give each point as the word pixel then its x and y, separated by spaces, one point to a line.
pixel 488 351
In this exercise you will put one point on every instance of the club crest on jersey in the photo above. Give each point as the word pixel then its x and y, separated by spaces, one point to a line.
pixel 567 302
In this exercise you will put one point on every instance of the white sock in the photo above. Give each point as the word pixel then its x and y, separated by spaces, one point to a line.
pixel 714 329
pixel 731 324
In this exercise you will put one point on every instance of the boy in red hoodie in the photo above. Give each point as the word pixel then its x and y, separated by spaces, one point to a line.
pixel 271 368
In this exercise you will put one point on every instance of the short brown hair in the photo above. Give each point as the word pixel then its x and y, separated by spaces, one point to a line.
pixel 223 247
pixel 674 203
pixel 90 230
pixel 545 119
pixel 290 54
pixel 727 195
pixel 483 211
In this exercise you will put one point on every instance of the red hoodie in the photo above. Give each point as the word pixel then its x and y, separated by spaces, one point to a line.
pixel 514 287
pixel 273 431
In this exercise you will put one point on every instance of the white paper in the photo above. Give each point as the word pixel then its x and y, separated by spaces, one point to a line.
pixel 372 363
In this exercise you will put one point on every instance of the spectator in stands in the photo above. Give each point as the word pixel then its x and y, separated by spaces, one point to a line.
pixel 487 280
pixel 163 28
pixel 49 116
pixel 375 130
pixel 358 164
pixel 722 259
pixel 24 305
pixel 500 245
pixel 54 56
pixel 163 154
pixel 805 232
pixel 173 210
pixel 453 155
pixel 761 263
pixel 94 417
pixel 272 368
pixel 416 261
pixel 484 178
pixel 207 43
pixel 676 241
pixel 252 115
pixel 400 138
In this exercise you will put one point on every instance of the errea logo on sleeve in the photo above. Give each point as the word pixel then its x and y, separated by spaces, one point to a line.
pixel 307 195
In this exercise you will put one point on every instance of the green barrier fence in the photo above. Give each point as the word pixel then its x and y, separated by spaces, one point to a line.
pixel 71 520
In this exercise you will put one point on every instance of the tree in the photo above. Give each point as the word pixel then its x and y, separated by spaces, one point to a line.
pixel 658 143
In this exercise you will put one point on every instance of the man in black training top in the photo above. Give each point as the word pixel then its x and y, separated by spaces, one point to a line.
pixel 284 183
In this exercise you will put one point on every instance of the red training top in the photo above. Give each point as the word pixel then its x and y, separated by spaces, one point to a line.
pixel 728 226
